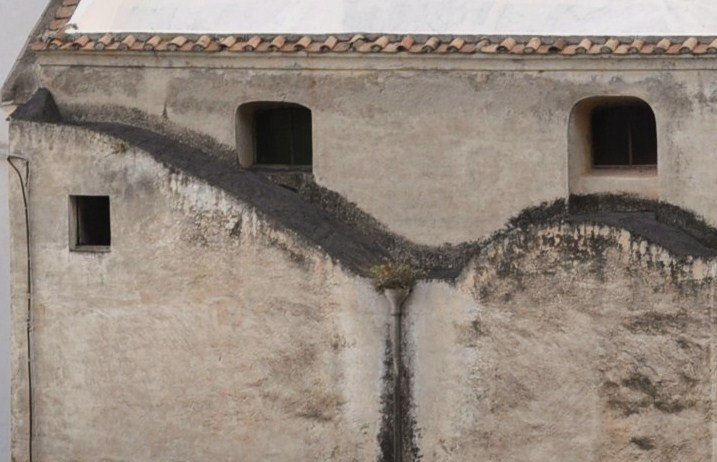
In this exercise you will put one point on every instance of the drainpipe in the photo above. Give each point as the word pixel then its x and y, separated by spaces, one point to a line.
pixel 397 299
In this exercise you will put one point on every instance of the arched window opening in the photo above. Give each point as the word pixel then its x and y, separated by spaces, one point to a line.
pixel 274 135
pixel 613 147
pixel 623 135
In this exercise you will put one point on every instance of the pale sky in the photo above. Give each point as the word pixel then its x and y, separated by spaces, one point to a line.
pixel 544 17
pixel 18 18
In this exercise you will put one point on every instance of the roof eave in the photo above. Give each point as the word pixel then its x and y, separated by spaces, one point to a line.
pixel 21 82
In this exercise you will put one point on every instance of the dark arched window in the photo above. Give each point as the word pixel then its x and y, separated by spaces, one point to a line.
pixel 623 134
pixel 274 134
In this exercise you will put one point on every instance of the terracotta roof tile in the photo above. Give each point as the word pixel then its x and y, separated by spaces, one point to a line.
pixel 584 46
pixel 689 45
pixel 278 42
pixel 662 46
pixel 58 24
pixel 264 47
pixel 202 43
pixel 252 43
pixel 342 47
pixel 506 45
pixel 456 45
pixel 674 49
pixel 569 50
pixel 152 43
pixel 489 48
pixel 406 43
pixel 81 41
pixel 104 41
pixel 187 47
pixel 176 43
pixel 376 46
pixel 329 44
pixel 596 49
pixel 55 44
pixel 303 43
pixel 468 48
pixel 610 46
pixel 431 45
pixel 213 47
pixel 38 46
pixel 712 47
pixel 648 49
pixel 558 46
pixel 623 49
pixel 636 46
pixel 700 49
pixel 356 41
pixel 64 12
pixel 58 39
pixel 127 42
pixel 533 45
pixel 228 42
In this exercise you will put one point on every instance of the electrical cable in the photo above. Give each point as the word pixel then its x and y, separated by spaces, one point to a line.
pixel 28 320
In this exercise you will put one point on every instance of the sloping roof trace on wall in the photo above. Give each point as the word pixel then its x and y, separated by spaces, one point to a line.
pixel 57 38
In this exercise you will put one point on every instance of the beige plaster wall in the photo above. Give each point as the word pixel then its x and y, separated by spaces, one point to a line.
pixel 208 334
pixel 440 149
pixel 205 334
pixel 566 344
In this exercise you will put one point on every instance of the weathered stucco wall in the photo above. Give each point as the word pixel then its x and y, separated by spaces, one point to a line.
pixel 209 332
pixel 566 343
pixel 205 334
pixel 438 149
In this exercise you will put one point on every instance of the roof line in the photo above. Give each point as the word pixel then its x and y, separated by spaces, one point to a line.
pixel 376 43
pixel 59 36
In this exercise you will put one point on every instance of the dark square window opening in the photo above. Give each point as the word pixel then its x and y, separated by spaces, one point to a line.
pixel 90 223
pixel 623 136
pixel 283 136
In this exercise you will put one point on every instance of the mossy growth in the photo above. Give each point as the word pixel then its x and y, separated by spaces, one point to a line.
pixel 119 147
pixel 394 276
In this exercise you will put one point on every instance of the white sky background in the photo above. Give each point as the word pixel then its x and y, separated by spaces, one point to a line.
pixel 17 18
pixel 474 17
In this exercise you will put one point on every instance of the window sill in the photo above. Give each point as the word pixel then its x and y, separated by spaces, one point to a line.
pixel 281 168
pixel 643 182
pixel 623 172
pixel 91 248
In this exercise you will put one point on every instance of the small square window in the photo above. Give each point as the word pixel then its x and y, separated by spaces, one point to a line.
pixel 90 223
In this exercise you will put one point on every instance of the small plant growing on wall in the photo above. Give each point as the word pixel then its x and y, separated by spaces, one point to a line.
pixel 119 147
pixel 394 276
